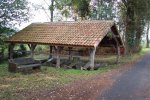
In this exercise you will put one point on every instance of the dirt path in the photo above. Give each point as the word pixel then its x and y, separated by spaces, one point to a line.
pixel 133 84
pixel 88 89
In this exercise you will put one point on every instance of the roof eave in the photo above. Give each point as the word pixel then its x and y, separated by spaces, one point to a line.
pixel 53 44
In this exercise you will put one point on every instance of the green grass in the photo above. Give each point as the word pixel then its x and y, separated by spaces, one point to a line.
pixel 51 77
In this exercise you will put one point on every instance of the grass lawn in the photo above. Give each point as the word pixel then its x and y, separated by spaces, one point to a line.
pixel 11 83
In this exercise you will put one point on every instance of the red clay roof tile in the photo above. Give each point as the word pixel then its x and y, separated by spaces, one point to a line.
pixel 84 33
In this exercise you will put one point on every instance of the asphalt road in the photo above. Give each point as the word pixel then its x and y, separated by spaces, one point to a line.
pixel 132 85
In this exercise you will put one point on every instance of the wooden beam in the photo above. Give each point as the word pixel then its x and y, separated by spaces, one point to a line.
pixel 92 58
pixel 10 50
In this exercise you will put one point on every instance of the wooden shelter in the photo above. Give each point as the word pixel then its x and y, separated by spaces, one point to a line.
pixel 86 34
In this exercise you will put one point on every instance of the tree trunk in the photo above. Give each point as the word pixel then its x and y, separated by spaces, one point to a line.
pixel 52 10
pixel 138 41
pixel 147 35
pixel 130 29
pixel 100 2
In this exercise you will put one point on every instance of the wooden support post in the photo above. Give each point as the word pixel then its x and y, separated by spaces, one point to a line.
pixel 92 57
pixel 51 51
pixel 32 48
pixel 10 50
pixel 57 57
pixel 70 51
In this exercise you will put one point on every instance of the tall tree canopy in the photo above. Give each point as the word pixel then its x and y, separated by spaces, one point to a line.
pixel 134 15
pixel 103 9
pixel 79 8
pixel 11 12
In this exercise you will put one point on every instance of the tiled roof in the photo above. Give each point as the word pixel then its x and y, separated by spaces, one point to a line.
pixel 84 33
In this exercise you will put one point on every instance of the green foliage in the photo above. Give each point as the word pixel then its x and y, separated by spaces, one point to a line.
pixel 64 7
pixel 3 45
pixel 109 34
pixel 39 49
pixel 133 13
pixel 51 8
pixel 21 52
pixel 83 8
pixel 12 12
pixel 103 10
pixel 78 7
pixel 23 49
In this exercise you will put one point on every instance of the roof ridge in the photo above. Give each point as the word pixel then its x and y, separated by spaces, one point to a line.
pixel 70 22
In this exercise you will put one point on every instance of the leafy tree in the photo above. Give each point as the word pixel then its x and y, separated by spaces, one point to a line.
pixel 103 9
pixel 11 12
pixel 80 8
pixel 65 7
pixel 134 21
pixel 147 22
pixel 147 34
pixel 51 8
pixel 83 9
pixel 131 16
pixel 61 5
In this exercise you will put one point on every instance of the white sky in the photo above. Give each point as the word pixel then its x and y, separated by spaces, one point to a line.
pixel 41 15
pixel 36 15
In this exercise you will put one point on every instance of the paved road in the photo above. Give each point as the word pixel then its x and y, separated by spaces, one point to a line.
pixel 132 85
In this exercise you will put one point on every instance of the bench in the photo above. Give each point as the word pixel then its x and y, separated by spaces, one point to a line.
pixel 20 64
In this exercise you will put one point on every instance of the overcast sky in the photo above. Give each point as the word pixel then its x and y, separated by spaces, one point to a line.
pixel 37 15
